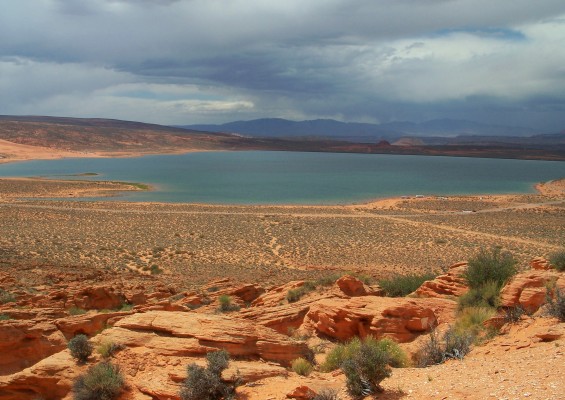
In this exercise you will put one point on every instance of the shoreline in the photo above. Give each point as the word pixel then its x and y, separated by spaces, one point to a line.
pixel 118 190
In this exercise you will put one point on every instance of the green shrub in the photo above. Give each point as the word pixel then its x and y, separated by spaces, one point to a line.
pixel 108 348
pixel 102 381
pixel 126 307
pixel 6 297
pixel 326 394
pixel 556 306
pixel 155 270
pixel 338 354
pixel 453 344
pixel 4 317
pixel 557 259
pixel 402 285
pixel 80 348
pixel 365 370
pixel 76 311
pixel 218 361
pixel 471 319
pixel 206 383
pixel 486 295
pixel 302 367
pixel 396 357
pixel 293 295
pixel 226 305
pixel 493 266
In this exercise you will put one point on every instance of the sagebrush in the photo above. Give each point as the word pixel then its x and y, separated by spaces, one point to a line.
pixel 365 363
pixel 80 348
pixel 103 381
pixel 206 383
pixel 453 344
pixel 557 259
pixel 403 285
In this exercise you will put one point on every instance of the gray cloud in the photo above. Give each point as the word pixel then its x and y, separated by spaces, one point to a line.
pixel 215 60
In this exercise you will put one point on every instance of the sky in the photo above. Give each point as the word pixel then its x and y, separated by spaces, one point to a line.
pixel 213 61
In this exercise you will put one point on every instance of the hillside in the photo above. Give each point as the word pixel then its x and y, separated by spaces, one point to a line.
pixel 362 132
pixel 35 137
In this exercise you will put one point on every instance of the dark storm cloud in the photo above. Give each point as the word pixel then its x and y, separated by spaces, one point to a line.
pixel 224 59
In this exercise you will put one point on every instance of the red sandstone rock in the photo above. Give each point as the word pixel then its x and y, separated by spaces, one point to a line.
pixel 49 379
pixel 301 393
pixel 540 263
pixel 25 342
pixel 447 285
pixel 100 297
pixel 400 319
pixel 188 334
pixel 353 287
pixel 528 289
pixel 88 324
pixel 276 295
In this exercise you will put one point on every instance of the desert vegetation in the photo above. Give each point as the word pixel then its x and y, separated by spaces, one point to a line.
pixel 403 285
pixel 206 383
pixel 103 381
pixel 80 348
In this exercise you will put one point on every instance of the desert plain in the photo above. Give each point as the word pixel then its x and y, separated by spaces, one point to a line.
pixel 268 244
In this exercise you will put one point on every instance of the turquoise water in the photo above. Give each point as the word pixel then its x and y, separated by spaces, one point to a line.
pixel 259 177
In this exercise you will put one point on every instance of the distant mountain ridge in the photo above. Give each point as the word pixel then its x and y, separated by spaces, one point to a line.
pixel 359 132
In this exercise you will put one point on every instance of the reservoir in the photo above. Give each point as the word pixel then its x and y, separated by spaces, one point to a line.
pixel 265 177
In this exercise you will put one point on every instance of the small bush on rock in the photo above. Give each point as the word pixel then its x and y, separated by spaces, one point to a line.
pixel 400 286
pixel 80 348
pixel 226 305
pixel 302 366
pixel 206 383
pixel 104 381
pixel 557 259
pixel 6 297
pixel 107 348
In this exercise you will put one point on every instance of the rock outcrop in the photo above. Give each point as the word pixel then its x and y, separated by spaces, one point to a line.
pixel 192 334
pixel 528 289
pixel 451 284
pixel 353 287
pixel 401 319
pixel 25 342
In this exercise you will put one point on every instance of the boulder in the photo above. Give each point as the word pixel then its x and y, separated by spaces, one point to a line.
pixel 353 287
pixel 400 319
pixel 528 289
pixel 447 285
pixel 301 393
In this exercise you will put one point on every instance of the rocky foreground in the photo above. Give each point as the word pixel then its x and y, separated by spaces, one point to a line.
pixel 161 329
